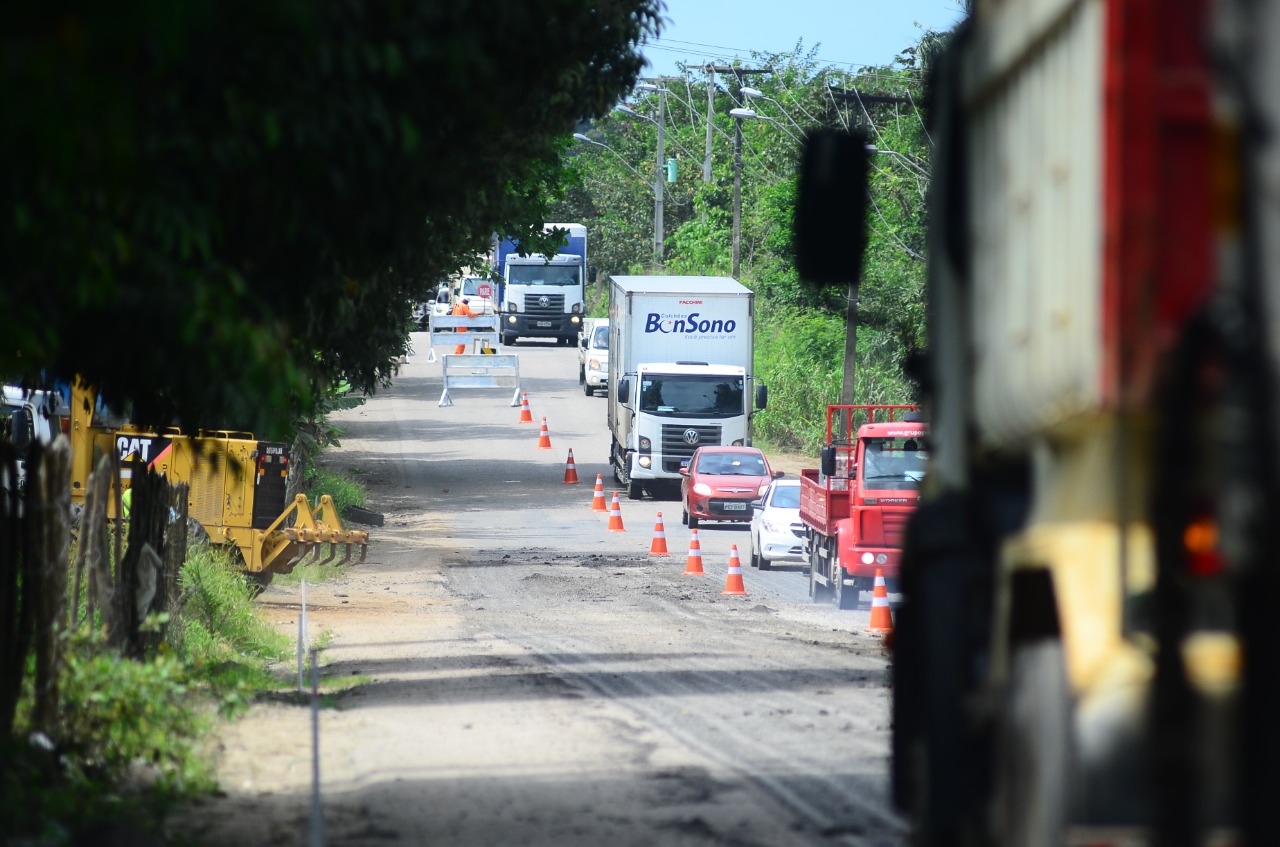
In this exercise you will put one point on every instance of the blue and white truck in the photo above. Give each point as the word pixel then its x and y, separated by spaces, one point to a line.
pixel 681 374
pixel 544 297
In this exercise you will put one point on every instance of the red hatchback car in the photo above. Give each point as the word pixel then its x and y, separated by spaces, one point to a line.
pixel 721 482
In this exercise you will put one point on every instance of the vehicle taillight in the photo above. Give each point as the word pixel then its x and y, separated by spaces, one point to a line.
pixel 1200 539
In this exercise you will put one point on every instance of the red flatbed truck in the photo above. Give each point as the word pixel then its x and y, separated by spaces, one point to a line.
pixel 855 507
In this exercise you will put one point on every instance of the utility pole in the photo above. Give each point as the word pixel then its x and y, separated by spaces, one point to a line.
pixel 738 73
pixel 659 169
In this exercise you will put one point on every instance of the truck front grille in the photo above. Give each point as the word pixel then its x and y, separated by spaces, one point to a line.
pixel 533 305
pixel 676 450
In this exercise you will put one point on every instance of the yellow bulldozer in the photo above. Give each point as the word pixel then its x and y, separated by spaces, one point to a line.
pixel 237 487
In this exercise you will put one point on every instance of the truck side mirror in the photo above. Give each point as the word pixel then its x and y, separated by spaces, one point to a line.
pixel 762 396
pixel 828 461
pixel 624 391
pixel 831 206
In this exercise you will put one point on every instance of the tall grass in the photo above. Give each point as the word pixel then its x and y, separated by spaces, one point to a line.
pixel 129 738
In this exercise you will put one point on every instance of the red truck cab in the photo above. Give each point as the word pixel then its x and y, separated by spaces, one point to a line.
pixel 855 507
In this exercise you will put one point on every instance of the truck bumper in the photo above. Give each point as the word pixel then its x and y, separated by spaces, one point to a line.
pixel 865 561
pixel 541 326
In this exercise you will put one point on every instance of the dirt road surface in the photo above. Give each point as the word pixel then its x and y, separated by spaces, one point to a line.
pixel 534 679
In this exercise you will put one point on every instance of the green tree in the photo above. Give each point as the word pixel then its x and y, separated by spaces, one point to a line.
pixel 217 208
pixel 800 331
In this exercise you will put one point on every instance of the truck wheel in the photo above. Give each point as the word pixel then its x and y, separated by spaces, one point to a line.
pixel 817 593
pixel 508 339
pixel 845 596
pixel 635 490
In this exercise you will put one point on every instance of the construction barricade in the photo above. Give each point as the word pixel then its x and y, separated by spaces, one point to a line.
pixel 469 370
pixel 481 332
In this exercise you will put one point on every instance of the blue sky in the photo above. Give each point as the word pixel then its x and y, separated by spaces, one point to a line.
pixel 846 32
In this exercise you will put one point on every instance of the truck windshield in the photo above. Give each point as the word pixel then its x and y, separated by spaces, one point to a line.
pixel 680 395
pixel 543 275
pixel 893 463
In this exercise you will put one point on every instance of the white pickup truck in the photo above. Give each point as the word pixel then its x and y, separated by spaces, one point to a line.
pixel 593 356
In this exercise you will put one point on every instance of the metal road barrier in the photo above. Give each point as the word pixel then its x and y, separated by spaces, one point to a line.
pixel 483 370
pixel 443 330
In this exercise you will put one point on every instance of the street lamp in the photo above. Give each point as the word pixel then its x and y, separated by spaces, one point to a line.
pixel 757 94
pixel 580 137
pixel 658 170
pixel 753 115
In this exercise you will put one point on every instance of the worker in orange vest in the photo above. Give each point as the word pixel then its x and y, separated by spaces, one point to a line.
pixel 462 309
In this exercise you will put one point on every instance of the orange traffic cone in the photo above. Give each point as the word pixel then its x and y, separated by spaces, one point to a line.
pixel 544 439
pixel 570 469
pixel 733 580
pixel 597 499
pixel 659 545
pixel 881 618
pixel 526 416
pixel 693 567
pixel 615 515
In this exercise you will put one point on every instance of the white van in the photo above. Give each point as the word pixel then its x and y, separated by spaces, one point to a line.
pixel 593 356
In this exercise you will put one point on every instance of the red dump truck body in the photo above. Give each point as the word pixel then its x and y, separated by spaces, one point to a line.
pixel 856 506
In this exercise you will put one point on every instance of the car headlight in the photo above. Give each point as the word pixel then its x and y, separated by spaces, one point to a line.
pixel 594 365
pixel 769 526
pixel 702 488
pixel 763 490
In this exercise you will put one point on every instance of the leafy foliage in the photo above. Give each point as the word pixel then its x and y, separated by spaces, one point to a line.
pixel 210 194
pixel 800 331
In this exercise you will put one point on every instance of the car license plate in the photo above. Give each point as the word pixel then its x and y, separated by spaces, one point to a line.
pixel 543 323
pixel 735 507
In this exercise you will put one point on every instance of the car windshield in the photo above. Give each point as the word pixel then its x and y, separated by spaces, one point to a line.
pixel 600 338
pixel 732 464
pixel 691 396
pixel 785 497
pixel 893 463
pixel 542 274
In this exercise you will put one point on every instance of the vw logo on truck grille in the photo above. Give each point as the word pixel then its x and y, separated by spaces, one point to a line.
pixel 691 436
pixel 544 301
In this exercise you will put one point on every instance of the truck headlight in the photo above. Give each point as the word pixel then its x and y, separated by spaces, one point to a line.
pixel 577 308
pixel 645 444
pixel 646 462
pixel 511 307
pixel 737 442
pixel 574 319
pixel 511 319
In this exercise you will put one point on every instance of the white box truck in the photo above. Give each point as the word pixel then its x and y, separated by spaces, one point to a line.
pixel 680 374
